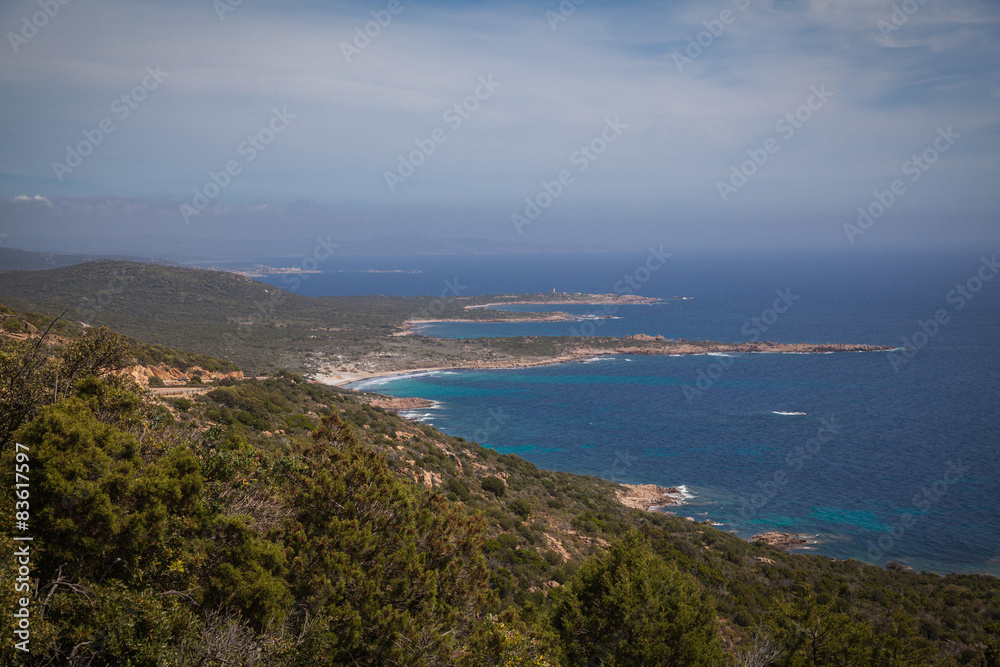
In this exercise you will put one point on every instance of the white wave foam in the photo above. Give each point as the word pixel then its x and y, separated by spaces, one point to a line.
pixel 594 360
pixel 685 492
pixel 362 385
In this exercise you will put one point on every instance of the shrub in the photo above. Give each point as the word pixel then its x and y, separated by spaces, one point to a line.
pixel 507 541
pixel 521 508
pixel 629 607
pixel 182 404
pixel 459 488
pixel 494 485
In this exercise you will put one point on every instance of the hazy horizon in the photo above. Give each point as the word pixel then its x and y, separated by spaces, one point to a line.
pixel 149 129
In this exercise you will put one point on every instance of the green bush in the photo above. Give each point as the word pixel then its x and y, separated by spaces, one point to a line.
pixel 520 507
pixel 13 325
pixel 299 423
pixel 459 488
pixel 389 570
pixel 507 541
pixel 494 485
pixel 629 607
pixel 182 404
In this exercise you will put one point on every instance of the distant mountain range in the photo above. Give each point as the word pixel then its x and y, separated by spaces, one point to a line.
pixel 172 250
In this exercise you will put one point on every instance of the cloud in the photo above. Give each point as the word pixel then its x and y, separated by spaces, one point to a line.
pixel 354 120
pixel 36 199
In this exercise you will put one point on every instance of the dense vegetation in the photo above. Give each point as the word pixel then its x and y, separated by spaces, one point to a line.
pixel 260 327
pixel 278 521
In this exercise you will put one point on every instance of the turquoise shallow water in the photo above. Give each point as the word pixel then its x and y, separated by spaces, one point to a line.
pixel 887 463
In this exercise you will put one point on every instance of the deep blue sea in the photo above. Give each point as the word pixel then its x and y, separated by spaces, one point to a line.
pixel 897 458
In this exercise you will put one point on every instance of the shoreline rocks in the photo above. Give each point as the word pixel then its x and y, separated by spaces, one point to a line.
pixel 649 496
pixel 395 404
pixel 783 541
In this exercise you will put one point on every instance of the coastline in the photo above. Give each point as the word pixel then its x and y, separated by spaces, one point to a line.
pixel 583 300
pixel 410 326
pixel 670 348
pixel 646 497
pixel 578 299
pixel 341 379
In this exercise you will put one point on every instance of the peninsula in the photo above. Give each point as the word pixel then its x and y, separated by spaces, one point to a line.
pixel 262 328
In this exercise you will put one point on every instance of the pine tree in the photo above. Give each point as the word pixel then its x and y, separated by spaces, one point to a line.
pixel 629 607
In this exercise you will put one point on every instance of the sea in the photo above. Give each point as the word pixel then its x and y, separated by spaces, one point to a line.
pixel 897 457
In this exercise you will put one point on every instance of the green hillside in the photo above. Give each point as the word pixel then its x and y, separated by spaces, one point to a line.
pixel 224 314
pixel 282 522
pixel 12 259
pixel 263 328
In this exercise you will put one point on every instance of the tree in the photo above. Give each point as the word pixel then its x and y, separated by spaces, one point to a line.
pixel 101 511
pixel 31 377
pixel 629 607
pixel 387 575
pixel 503 642
pixel 26 373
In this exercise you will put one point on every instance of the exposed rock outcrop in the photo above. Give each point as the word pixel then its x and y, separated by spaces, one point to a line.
pixel 388 403
pixel 169 375
pixel 783 541
pixel 649 496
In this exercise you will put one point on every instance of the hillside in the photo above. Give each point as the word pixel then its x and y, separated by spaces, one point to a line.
pixel 263 328
pixel 224 314
pixel 12 259
pixel 279 521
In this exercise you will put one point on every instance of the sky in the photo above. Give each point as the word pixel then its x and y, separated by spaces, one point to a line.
pixel 135 126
